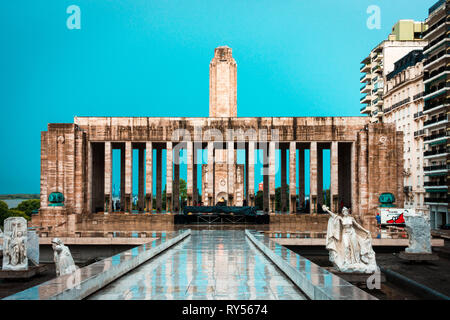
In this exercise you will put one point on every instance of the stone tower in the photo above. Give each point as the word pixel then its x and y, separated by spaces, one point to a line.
pixel 223 84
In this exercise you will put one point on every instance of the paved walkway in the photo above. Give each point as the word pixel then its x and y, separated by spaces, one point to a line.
pixel 210 264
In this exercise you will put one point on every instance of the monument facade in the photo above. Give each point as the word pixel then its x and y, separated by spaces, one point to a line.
pixel 76 158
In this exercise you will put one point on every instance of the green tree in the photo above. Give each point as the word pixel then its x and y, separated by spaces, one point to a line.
pixel 278 198
pixel 259 201
pixel 3 208
pixel 183 190
pixel 18 213
pixel 3 211
pixel 28 206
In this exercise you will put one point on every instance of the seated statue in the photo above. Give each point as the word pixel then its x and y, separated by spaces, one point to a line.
pixel 349 244
pixel 63 259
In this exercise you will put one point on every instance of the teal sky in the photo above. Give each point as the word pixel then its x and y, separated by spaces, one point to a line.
pixel 151 58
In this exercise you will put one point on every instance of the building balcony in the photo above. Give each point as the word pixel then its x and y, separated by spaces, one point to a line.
pixel 378 113
pixel 435 105
pixel 398 104
pixel 436 91
pixel 378 91
pixel 418 115
pixel 366 109
pixel 438 74
pixel 418 96
pixel 366 88
pixel 365 78
pixel 366 60
pixel 365 68
pixel 438 184
pixel 435 153
pixel 366 99
pixel 434 60
pixel 435 43
pixel 436 121
pixel 377 69
pixel 436 200
pixel 436 6
pixel 435 168
pixel 419 133
pixel 436 139
pixel 435 136
pixel 435 27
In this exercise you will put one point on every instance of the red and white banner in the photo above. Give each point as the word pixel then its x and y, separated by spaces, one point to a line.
pixel 394 216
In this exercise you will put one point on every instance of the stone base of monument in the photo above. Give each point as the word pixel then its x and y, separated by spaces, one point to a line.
pixel 418 256
pixel 354 277
pixel 23 274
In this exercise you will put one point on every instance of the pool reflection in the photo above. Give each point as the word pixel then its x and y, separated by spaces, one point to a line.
pixel 210 264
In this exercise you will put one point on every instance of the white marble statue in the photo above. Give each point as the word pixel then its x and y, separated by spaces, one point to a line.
pixel 349 244
pixel 419 231
pixel 63 259
pixel 14 244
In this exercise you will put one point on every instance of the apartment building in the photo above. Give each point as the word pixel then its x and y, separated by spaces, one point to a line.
pixel 403 105
pixel 406 36
pixel 437 101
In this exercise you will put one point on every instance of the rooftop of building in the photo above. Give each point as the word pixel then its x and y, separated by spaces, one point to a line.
pixel 403 32
pixel 410 59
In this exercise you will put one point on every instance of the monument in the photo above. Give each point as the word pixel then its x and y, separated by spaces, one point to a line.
pixel 76 159
pixel 349 244
pixel 20 250
pixel 419 231
pixel 64 263
pixel 14 244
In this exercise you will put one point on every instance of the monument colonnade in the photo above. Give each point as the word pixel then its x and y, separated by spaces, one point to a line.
pixel 290 167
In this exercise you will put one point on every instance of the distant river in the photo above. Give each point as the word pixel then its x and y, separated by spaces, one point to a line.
pixel 13 203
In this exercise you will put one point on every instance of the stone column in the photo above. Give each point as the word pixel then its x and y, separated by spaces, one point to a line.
pixel 246 197
pixel 210 177
pixel 283 198
pixel 159 180
pixel 194 178
pixel 149 174
pixel 169 177
pixel 89 179
pixel 265 151
pixel 231 172
pixel 272 176
pixel 313 177
pixel 190 174
pixel 141 181
pixel 301 177
pixel 128 177
pixel 251 172
pixel 292 177
pixel 363 174
pixel 176 181
pixel 108 178
pixel 122 177
pixel 334 185
pixel 319 178
pixel 355 207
